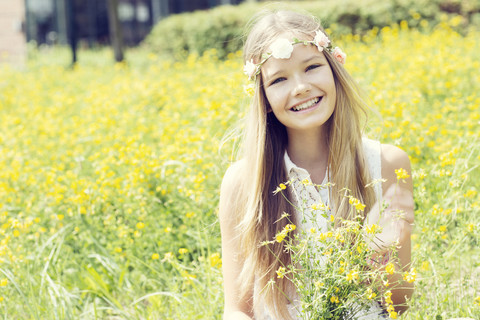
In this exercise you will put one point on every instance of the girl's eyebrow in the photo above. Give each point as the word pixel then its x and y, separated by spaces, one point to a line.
pixel 310 59
pixel 269 77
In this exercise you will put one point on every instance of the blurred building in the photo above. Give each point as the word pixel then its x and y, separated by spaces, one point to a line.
pixel 12 37
pixel 46 21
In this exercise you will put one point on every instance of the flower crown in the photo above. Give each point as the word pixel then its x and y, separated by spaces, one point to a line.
pixel 282 49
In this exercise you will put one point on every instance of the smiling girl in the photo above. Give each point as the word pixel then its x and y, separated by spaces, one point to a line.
pixel 305 122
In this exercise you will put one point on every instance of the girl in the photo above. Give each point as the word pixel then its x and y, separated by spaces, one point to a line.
pixel 304 122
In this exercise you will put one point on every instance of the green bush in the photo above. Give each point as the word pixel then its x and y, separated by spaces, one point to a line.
pixel 222 28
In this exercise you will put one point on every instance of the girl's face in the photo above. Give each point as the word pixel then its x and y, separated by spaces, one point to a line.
pixel 301 89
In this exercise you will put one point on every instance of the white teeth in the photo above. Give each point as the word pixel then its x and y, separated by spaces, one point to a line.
pixel 306 105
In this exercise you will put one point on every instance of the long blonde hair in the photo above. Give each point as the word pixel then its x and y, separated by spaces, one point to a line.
pixel 265 141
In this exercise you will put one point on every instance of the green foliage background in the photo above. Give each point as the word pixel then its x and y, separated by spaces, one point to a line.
pixel 223 27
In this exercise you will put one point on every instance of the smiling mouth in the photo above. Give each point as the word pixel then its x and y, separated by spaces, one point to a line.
pixel 307 104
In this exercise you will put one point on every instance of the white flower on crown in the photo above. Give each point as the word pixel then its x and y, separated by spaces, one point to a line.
pixel 321 40
pixel 250 69
pixel 339 55
pixel 281 48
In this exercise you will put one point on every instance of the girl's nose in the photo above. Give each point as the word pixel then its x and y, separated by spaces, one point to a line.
pixel 301 86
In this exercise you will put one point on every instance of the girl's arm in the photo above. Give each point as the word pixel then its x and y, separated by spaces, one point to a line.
pixel 235 308
pixel 399 194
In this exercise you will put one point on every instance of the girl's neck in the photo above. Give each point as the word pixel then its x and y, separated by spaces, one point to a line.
pixel 309 150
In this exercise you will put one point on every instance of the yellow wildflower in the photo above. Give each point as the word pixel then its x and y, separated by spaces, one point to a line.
pixel 328 252
pixel 370 294
pixel 410 276
pixel 319 206
pixel 283 234
pixel 155 256
pixel 280 187
pixel 477 300
pixel 281 272
pixel 334 299
pixel 402 174
pixel 425 266
pixel 3 282
pixel 280 236
pixel 290 227
pixel 388 298
pixel 357 204
pixel 470 193
pixel 371 229
pixel 215 260
pixel 352 276
pixel 470 227
pixel 390 268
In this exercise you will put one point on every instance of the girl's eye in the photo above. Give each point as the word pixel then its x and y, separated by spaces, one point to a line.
pixel 313 66
pixel 278 80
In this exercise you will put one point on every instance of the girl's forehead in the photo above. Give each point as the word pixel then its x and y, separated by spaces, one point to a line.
pixel 301 54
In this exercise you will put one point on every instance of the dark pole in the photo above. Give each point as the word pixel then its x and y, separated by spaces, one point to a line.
pixel 115 30
pixel 92 22
pixel 72 28
pixel 136 35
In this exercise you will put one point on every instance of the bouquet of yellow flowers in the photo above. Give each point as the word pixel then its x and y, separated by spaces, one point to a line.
pixel 336 271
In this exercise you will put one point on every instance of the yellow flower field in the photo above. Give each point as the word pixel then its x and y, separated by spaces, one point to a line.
pixel 109 175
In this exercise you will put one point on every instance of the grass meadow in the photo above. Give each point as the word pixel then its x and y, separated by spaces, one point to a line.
pixel 110 174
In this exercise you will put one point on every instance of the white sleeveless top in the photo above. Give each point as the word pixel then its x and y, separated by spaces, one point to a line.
pixel 310 195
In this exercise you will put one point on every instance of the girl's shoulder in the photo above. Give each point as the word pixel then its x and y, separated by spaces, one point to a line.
pixel 233 176
pixel 230 188
pixel 394 158
pixel 390 156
